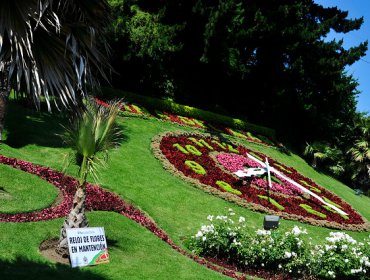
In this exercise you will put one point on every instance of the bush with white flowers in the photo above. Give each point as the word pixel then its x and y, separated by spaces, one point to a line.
pixel 276 250
pixel 342 257
pixel 220 238
pixel 226 238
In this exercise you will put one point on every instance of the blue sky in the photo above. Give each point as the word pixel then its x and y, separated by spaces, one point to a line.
pixel 361 69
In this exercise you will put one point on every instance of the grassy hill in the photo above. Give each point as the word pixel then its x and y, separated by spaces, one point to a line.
pixel 136 176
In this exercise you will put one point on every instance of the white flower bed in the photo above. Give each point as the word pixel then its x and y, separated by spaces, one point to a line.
pixel 225 238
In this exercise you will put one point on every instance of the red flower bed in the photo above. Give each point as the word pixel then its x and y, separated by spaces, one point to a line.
pixel 125 107
pixel 191 154
pixel 192 122
pixel 246 136
pixel 96 199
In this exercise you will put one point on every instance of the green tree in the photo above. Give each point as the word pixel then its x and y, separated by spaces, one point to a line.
pixel 265 60
pixel 92 132
pixel 326 157
pixel 360 155
pixel 144 43
pixel 50 49
pixel 275 53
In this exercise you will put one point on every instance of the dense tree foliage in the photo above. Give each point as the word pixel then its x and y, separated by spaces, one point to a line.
pixel 264 60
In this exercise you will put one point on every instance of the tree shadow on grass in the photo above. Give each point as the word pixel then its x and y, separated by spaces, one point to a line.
pixel 26 126
pixel 22 268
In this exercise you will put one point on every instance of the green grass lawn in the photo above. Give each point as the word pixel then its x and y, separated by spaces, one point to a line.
pixel 134 174
pixel 22 192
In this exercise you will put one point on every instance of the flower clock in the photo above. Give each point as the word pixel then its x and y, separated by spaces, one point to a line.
pixel 209 163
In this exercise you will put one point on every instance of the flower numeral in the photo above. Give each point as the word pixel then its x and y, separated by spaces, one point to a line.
pixel 187 149
pixel 196 167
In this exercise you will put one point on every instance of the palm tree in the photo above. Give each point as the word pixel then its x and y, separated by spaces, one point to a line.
pixel 90 135
pixel 328 157
pixel 50 48
pixel 360 154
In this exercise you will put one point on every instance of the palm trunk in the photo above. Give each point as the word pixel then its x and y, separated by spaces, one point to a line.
pixel 4 95
pixel 75 219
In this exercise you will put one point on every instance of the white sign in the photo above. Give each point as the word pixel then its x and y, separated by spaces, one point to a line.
pixel 87 246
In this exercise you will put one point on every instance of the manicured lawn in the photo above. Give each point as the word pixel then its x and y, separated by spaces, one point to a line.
pixel 21 192
pixel 139 178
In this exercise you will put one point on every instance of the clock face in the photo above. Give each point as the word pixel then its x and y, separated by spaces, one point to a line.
pixel 209 163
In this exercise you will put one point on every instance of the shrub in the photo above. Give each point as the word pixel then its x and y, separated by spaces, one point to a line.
pixel 225 238
pixel 342 257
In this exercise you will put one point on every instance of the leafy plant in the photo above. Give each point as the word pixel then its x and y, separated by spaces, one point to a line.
pixel 225 237
pixel 92 132
pixel 325 156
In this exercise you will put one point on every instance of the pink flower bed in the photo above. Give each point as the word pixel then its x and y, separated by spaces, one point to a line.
pixel 233 163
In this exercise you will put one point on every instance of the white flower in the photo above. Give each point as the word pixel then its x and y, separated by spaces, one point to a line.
pixel 208 228
pixel 346 260
pixel 330 247
pixel 236 242
pixel 241 219
pixel 340 236
pixel 263 250
pixel 199 234
pixel 262 264
pixel 280 266
pixel 231 212
pixel 263 232
pixel 222 218
pixel 297 231
pixel 204 238
pixel 287 255
pixel 210 217
pixel 354 271
pixel 331 273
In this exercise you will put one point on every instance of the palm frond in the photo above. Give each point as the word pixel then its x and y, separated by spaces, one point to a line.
pixel 91 133
pixel 320 155
pixel 50 47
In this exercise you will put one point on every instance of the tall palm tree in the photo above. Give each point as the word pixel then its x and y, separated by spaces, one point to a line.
pixel 50 48
pixel 326 156
pixel 90 135
pixel 360 154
